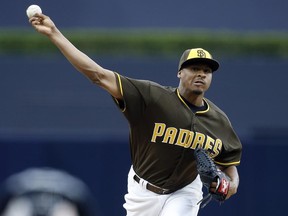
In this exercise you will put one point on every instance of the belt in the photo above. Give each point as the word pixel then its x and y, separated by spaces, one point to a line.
pixel 153 188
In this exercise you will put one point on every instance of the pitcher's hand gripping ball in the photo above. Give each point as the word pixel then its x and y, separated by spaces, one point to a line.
pixel 32 10
pixel 210 173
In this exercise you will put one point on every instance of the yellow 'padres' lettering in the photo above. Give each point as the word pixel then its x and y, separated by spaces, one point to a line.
pixel 183 137
pixel 209 144
pixel 198 141
pixel 217 147
pixel 170 135
pixel 159 129
pixel 186 138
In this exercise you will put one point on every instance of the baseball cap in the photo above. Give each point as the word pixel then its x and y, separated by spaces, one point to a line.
pixel 196 56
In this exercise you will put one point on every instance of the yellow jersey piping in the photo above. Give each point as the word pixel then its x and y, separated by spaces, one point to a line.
pixel 179 96
pixel 198 112
pixel 121 91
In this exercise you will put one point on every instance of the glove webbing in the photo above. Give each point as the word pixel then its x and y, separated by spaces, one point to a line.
pixel 209 173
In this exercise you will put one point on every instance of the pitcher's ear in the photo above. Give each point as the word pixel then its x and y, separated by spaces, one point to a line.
pixel 179 73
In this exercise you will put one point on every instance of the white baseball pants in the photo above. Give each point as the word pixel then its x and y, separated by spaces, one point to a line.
pixel 142 202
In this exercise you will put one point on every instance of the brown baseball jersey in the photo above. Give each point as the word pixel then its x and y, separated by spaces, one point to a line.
pixel 164 133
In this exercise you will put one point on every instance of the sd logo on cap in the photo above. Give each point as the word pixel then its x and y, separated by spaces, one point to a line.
pixel 197 56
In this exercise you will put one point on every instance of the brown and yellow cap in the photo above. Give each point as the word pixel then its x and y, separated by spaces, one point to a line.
pixel 197 56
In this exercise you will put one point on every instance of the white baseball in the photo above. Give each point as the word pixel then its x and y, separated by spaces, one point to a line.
pixel 32 10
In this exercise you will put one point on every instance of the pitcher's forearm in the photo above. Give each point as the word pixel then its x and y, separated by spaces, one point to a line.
pixel 78 59
pixel 234 182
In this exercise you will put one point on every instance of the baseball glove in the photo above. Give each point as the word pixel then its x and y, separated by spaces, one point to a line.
pixel 210 173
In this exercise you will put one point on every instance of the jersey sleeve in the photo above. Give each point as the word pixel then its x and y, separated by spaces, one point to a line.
pixel 231 151
pixel 135 97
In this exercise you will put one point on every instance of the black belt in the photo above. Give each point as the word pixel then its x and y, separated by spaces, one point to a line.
pixel 153 188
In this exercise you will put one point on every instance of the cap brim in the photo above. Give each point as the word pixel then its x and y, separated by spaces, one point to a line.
pixel 213 64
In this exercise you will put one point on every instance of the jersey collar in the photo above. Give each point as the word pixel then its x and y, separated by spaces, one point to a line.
pixel 198 112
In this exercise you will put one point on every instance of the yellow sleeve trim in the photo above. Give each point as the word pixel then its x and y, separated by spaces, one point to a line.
pixel 228 164
pixel 120 83
pixel 121 91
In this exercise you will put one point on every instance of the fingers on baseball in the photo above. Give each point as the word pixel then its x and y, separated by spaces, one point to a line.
pixel 38 19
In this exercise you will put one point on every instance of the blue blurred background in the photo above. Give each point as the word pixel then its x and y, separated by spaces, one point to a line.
pixel 50 115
